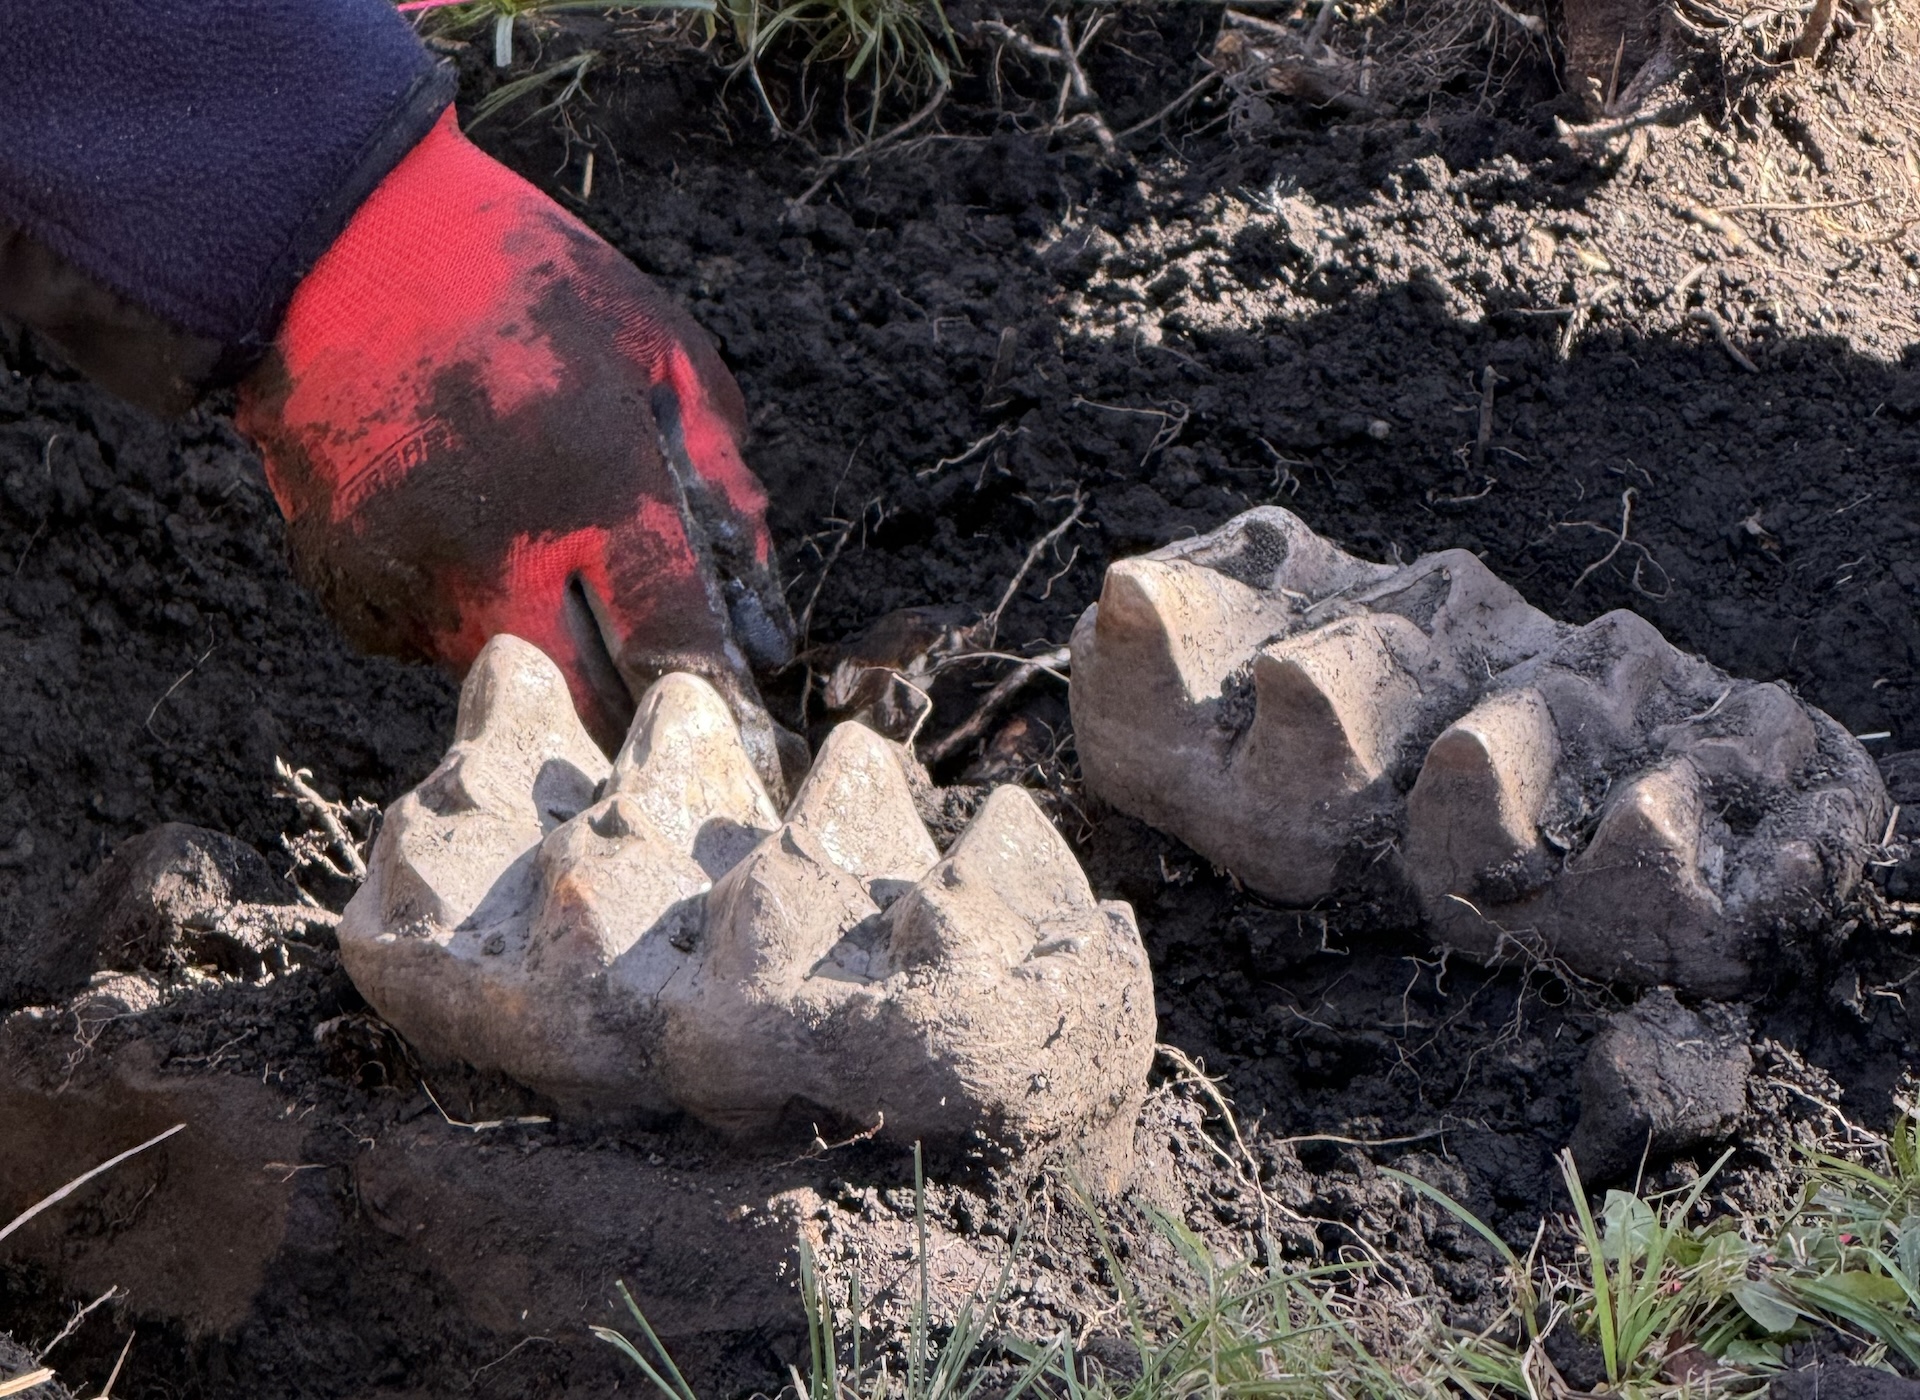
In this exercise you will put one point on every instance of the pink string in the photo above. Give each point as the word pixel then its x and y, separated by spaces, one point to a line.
pixel 426 5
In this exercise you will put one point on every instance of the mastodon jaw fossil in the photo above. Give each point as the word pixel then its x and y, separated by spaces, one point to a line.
pixel 652 934
pixel 1318 724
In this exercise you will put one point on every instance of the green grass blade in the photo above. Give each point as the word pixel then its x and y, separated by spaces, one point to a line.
pixel 1522 1283
pixel 1597 1257
pixel 920 1341
pixel 679 1388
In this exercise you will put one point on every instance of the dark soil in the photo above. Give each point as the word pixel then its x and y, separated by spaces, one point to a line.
pixel 1257 302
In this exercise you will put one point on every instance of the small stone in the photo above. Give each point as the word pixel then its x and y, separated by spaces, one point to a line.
pixel 1660 1079
pixel 162 901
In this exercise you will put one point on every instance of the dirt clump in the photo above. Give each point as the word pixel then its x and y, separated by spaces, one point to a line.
pixel 173 897
pixel 1659 1079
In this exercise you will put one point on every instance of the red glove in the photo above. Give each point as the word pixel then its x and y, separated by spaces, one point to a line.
pixel 478 417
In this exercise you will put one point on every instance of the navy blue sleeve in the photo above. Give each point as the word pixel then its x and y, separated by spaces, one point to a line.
pixel 196 156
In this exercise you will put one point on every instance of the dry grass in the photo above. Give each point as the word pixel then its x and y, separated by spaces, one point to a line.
pixel 1373 56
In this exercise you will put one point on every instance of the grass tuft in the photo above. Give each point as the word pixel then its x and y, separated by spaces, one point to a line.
pixel 1683 1296
pixel 893 50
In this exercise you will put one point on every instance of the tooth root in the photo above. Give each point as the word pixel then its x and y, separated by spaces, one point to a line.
pixel 1473 815
pixel 857 804
pixel 1331 706
pixel 685 767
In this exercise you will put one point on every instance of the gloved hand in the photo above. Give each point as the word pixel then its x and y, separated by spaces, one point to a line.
pixel 478 418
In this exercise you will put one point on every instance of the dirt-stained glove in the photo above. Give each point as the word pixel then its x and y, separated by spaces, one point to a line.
pixel 479 418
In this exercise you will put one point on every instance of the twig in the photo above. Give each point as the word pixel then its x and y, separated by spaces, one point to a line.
pixel 20 1385
pixel 1488 378
pixel 184 677
pixel 1317 36
pixel 1070 52
pixel 488 1125
pixel 1620 542
pixel 1171 424
pixel 27 549
pixel 1706 317
pixel 297 785
pixel 819 1147
pixel 512 1351
pixel 1260 26
pixel 1616 126
pixel 989 627
pixel 1807 46
pixel 1002 371
pixel 1429 1134
pixel 832 165
pixel 1685 284
pixel 993 702
pixel 73 1323
pixel 839 543
pixel 1533 24
pixel 1206 82
pixel 1066 52
pixel 106 1391
pixel 46 465
pixel 1789 207
pixel 82 1180
pixel 992 439
pixel 919 720
pixel 1570 330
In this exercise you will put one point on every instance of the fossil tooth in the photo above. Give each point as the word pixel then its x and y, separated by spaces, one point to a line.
pixel 1323 726
pixel 653 936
